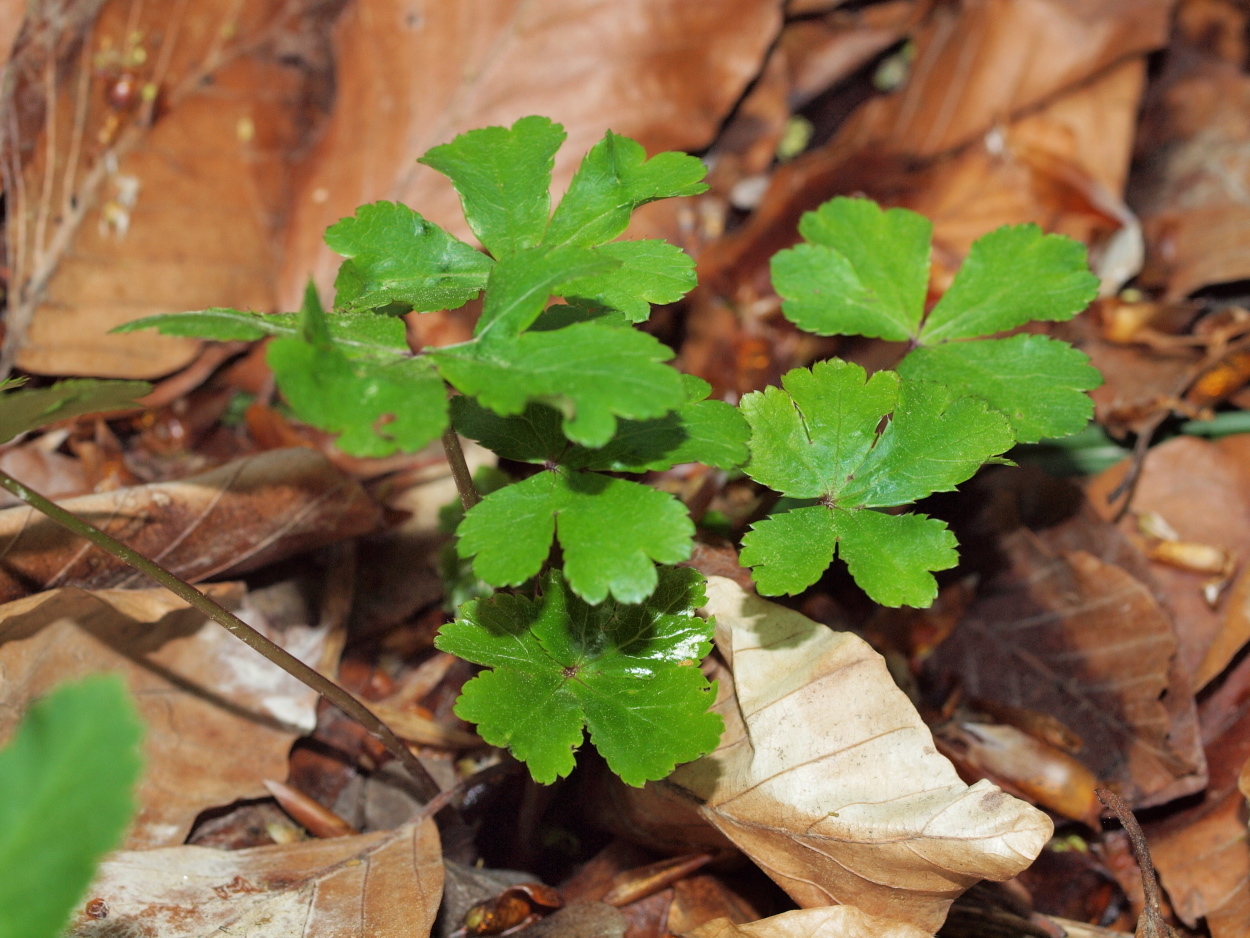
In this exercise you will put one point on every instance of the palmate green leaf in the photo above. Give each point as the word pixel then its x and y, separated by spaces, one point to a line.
pixel 67 783
pixel 710 432
pixel 503 176
pixel 396 256
pixel 378 406
pixel 650 271
pixel 1037 382
pixel 22 411
pixel 592 372
pixel 627 673
pixel 818 437
pixel 864 271
pixel 610 530
pixel 614 179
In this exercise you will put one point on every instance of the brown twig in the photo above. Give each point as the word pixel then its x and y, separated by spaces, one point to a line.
pixel 1151 924
pixel 460 469
pixel 426 787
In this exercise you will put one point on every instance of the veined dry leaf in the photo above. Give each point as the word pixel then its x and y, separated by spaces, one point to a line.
pixel 1067 633
pixel 828 779
pixel 133 202
pixel 219 718
pixel 232 519
pixel 410 76
pixel 381 885
pixel 839 921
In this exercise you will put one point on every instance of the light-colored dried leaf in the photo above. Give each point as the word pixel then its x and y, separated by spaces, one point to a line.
pixel 665 72
pixel 839 921
pixel 381 885
pixel 219 718
pixel 227 521
pixel 828 778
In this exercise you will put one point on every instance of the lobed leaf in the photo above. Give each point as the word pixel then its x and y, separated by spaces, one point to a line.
pixel 67 783
pixel 503 177
pixel 650 272
pixel 510 532
pixel 521 284
pixel 22 411
pixel 624 672
pixel 396 256
pixel 615 178
pixel 1036 382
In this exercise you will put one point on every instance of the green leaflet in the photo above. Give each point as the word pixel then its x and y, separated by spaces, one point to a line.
pixel 610 530
pixel 614 179
pixel 627 673
pixel 22 411
pixel 865 271
pixel 67 782
pixel 820 438
pixel 396 256
pixel 503 176
pixel 650 272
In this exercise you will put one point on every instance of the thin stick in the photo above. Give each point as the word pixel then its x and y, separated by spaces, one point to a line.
pixel 426 786
pixel 1154 925
pixel 460 469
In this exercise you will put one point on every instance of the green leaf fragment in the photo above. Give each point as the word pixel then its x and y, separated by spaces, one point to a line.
pixel 591 372
pixel 1011 276
pixel 788 552
pixel 22 411
pixel 396 256
pixel 503 176
pixel 650 272
pixel 1036 382
pixel 614 179
pixel 627 673
pixel 610 530
pixel 67 783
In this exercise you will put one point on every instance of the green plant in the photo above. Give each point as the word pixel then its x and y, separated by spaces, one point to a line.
pixel 67 781
pixel 594 635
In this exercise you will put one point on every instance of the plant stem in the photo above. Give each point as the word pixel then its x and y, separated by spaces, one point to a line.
pixel 460 469
pixel 332 692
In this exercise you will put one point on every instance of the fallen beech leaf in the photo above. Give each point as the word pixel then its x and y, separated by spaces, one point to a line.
pixel 698 900
pixel 381 885
pixel 418 729
pixel 230 520
pixel 1067 633
pixel 848 802
pixel 664 72
pixel 220 719
pixel 839 921
pixel 317 819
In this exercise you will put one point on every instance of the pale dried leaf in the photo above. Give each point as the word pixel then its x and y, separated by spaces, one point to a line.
pixel 665 72
pixel 381 885
pixel 227 521
pixel 828 778
pixel 219 718
pixel 839 921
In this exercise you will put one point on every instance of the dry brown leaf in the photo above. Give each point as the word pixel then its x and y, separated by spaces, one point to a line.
pixel 382 885
pixel 1198 488
pixel 665 72
pixel 219 718
pixel 154 206
pixel 828 779
pixel 1070 634
pixel 839 921
pixel 236 518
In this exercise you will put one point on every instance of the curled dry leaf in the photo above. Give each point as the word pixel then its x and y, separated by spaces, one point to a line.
pixel 839 921
pixel 664 72
pixel 219 718
pixel 381 885
pixel 1067 633
pixel 828 779
pixel 232 519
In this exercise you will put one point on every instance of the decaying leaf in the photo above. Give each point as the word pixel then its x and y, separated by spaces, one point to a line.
pixel 1075 636
pixel 219 718
pixel 828 779
pixel 381 885
pixel 839 921
pixel 230 520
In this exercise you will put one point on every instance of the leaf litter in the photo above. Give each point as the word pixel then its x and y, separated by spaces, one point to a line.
pixel 1077 657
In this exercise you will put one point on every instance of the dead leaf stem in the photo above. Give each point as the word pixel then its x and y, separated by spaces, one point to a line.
pixel 427 788
pixel 460 470
pixel 1152 924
